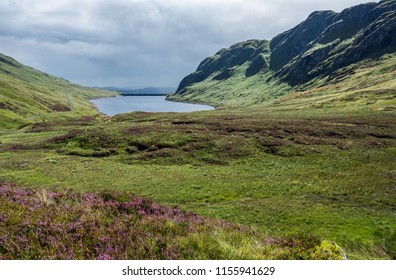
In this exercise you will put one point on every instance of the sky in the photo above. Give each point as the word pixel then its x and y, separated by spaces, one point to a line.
pixel 139 43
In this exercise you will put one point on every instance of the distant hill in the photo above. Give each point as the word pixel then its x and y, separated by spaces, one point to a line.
pixel 326 48
pixel 27 94
pixel 144 91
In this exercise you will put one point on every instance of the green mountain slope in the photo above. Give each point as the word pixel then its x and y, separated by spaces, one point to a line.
pixel 325 49
pixel 29 95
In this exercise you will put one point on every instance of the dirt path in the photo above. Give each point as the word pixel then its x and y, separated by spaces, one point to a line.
pixel 71 105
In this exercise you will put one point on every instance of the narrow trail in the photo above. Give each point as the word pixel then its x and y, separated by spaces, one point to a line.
pixel 70 104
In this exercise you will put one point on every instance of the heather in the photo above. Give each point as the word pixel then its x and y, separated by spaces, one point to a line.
pixel 43 224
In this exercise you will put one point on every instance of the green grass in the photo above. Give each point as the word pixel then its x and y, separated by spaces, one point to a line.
pixel 28 96
pixel 236 91
pixel 329 176
pixel 370 82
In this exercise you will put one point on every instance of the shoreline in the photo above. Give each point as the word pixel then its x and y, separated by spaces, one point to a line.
pixel 151 110
pixel 191 102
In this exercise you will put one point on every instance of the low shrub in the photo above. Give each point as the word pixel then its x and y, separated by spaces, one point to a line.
pixel 43 224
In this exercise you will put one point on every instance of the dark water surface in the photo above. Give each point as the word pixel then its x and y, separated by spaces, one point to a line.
pixel 123 104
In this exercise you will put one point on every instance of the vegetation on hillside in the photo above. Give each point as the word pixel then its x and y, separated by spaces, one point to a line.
pixel 28 95
pixel 324 48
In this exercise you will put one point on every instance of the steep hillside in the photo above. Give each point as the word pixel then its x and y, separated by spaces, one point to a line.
pixel 225 62
pixel 327 41
pixel 312 54
pixel 28 95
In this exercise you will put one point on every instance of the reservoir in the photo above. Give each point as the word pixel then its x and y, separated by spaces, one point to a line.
pixel 123 104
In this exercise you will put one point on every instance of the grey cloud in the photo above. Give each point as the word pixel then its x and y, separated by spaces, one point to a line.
pixel 139 42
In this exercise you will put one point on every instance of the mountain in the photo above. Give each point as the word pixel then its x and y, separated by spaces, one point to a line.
pixel 143 91
pixel 325 46
pixel 225 62
pixel 27 94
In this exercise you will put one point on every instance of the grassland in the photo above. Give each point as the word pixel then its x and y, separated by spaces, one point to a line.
pixel 331 177
pixel 316 162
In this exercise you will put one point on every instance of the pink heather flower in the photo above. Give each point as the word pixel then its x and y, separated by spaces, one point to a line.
pixel 137 201
pixel 104 257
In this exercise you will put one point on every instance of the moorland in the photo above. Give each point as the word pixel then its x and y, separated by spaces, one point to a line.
pixel 286 167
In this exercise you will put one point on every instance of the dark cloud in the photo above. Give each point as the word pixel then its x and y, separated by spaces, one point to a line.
pixel 139 42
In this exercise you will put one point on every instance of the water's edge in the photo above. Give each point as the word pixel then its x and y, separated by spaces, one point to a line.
pixel 122 104
pixel 190 102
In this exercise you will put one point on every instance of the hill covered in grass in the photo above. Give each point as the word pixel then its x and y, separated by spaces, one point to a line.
pixel 326 49
pixel 28 95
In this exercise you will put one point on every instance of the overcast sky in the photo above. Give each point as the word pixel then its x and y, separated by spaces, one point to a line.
pixel 139 43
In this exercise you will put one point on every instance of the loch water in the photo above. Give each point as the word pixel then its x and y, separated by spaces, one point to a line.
pixel 124 104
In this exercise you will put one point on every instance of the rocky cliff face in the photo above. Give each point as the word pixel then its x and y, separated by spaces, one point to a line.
pixel 324 42
pixel 342 39
pixel 224 62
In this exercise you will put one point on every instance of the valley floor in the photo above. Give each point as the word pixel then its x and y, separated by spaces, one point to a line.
pixel 313 174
